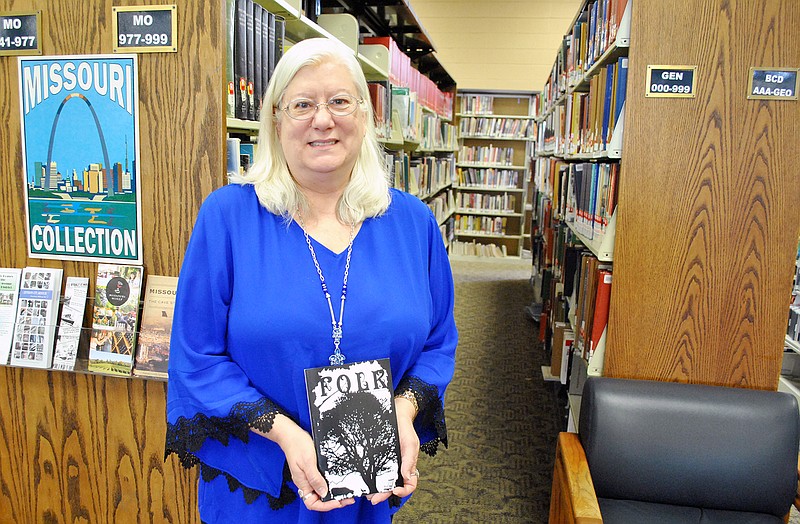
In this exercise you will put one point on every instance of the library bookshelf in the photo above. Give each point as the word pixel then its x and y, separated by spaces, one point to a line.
pixel 496 136
pixel 701 253
pixel 86 446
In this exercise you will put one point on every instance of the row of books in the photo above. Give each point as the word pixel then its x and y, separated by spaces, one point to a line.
pixel 437 135
pixel 486 155
pixel 592 34
pixel 403 74
pixel 123 338
pixel 594 31
pixel 589 199
pixel 442 206
pixel 487 202
pixel 477 249
pixel 254 45
pixel 472 224
pixel 487 177
pixel 580 296
pixel 496 127
pixel 421 176
pixel 477 104
pixel 381 96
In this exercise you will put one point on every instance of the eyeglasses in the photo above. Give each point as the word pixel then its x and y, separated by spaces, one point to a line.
pixel 339 105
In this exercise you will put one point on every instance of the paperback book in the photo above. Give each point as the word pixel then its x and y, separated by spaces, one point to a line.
pixel 37 308
pixel 152 354
pixel 354 427
pixel 71 324
pixel 9 295
pixel 114 319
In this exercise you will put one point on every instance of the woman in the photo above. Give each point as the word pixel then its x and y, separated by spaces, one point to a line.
pixel 250 315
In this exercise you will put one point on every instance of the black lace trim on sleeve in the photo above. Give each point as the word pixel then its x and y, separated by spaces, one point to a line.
pixel 286 496
pixel 186 436
pixel 431 410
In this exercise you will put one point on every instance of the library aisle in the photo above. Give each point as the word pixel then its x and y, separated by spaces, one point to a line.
pixel 502 419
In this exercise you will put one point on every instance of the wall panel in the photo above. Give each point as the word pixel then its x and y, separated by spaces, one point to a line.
pixel 708 199
pixel 89 448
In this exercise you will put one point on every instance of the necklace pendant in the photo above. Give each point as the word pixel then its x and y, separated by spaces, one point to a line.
pixel 337 359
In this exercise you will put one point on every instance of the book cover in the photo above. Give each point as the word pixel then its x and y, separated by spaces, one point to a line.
pixel 70 326
pixel 354 426
pixel 114 319
pixel 152 353
pixel 9 296
pixel 37 308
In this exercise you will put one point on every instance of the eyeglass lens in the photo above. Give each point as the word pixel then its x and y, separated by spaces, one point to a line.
pixel 340 105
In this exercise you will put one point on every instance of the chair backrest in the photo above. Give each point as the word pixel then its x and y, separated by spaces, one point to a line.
pixel 691 445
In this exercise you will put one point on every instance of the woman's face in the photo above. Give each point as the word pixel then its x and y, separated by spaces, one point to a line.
pixel 323 148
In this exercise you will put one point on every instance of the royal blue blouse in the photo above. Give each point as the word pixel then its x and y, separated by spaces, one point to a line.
pixel 250 316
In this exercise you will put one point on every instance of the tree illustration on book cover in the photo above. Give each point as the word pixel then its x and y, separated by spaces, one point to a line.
pixel 354 427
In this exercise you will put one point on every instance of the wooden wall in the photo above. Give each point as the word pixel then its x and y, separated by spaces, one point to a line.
pixel 708 199
pixel 86 448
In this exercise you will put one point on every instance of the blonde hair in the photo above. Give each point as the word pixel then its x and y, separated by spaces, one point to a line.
pixel 367 193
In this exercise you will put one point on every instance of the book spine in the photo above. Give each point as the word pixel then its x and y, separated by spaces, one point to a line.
pixel 258 62
pixel 240 57
pixel 230 76
pixel 249 42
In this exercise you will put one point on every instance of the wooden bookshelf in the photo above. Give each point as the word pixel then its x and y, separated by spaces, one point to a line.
pixel 502 120
pixel 701 249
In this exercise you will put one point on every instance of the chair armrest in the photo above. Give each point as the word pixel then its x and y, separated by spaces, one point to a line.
pixel 797 490
pixel 572 498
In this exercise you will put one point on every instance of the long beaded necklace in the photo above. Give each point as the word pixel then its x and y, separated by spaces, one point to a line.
pixel 337 358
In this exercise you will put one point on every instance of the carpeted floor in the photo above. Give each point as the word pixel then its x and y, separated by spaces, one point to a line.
pixel 502 418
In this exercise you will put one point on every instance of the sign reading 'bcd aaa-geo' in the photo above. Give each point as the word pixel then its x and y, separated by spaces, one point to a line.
pixel 772 84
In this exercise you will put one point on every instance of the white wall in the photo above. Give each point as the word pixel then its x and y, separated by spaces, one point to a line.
pixel 493 44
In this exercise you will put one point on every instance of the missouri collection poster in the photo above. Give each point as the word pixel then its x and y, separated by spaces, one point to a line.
pixel 80 157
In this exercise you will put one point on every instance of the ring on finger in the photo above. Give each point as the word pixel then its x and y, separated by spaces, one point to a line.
pixel 416 473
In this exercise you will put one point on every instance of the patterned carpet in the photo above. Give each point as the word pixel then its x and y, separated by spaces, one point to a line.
pixel 502 418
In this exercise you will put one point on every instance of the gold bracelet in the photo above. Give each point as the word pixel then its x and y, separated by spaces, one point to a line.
pixel 409 396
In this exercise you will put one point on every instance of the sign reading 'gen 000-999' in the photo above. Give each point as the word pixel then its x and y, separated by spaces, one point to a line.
pixel 80 151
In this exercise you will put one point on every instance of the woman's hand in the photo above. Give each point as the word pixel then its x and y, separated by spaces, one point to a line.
pixel 409 452
pixel 301 456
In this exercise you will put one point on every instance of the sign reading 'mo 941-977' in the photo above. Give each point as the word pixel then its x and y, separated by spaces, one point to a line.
pixel 19 33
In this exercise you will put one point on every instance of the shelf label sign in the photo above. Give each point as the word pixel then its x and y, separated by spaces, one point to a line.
pixel 767 83
pixel 670 81
pixel 144 29
pixel 19 33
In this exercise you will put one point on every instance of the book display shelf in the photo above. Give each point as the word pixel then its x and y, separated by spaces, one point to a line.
pixel 623 181
pixel 495 134
pixel 99 439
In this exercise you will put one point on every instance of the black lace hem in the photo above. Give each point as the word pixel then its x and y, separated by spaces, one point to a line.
pixel 186 436
pixel 431 410
pixel 285 497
